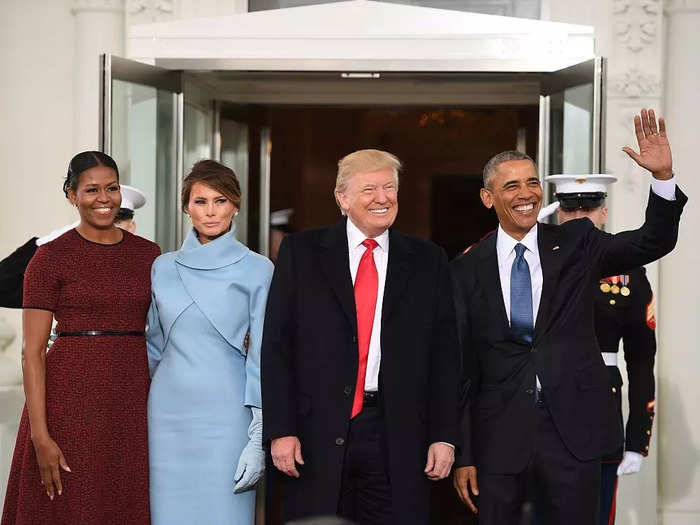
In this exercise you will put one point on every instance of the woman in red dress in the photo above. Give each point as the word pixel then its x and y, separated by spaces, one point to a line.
pixel 82 449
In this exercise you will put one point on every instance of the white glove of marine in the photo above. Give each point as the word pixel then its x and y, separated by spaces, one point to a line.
pixel 251 464
pixel 631 463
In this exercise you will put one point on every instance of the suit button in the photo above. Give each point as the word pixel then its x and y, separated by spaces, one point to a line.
pixel 339 441
pixel 529 391
pixel 347 390
pixel 533 349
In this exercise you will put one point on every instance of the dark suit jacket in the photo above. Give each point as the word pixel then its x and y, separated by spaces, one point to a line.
pixel 310 356
pixel 499 372
pixel 12 270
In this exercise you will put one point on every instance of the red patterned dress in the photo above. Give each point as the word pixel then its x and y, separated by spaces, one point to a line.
pixel 96 386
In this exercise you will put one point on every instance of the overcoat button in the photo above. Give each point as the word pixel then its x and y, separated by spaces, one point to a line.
pixel 339 441
pixel 347 390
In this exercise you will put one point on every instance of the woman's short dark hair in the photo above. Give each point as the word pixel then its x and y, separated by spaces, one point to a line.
pixel 84 161
pixel 215 175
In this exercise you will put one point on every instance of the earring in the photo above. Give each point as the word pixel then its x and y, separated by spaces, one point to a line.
pixel 235 213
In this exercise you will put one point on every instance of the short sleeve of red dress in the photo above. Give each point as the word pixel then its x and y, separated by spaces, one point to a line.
pixel 42 285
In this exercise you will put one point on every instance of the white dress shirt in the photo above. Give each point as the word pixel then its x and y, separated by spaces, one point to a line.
pixel 505 251
pixel 381 259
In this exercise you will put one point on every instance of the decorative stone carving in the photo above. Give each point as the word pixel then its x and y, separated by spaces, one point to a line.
pixel 149 11
pixel 634 83
pixel 115 6
pixel 639 22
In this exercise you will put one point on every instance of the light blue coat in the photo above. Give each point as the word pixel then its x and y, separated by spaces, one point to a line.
pixel 205 299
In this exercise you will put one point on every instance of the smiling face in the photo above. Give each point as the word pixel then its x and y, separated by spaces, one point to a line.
pixel 210 210
pixel 97 197
pixel 370 200
pixel 515 192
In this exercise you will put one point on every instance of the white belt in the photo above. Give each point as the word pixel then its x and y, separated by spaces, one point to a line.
pixel 610 358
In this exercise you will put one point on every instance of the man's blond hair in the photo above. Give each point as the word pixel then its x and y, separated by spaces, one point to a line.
pixel 364 161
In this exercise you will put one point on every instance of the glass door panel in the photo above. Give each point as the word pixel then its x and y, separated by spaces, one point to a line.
pixel 141 124
pixel 234 154
pixel 571 110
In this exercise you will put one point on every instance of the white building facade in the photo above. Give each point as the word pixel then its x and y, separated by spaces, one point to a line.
pixel 50 101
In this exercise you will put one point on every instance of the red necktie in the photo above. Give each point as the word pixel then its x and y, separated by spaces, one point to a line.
pixel 366 283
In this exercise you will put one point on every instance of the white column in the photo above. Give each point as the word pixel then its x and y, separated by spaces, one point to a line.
pixel 679 302
pixel 634 82
pixel 99 28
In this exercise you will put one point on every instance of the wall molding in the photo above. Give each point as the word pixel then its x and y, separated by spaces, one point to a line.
pixel 150 11
pixel 109 6
pixel 673 7
pixel 634 83
pixel 636 23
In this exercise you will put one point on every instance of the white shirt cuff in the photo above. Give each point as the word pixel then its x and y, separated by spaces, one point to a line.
pixel 666 189
pixel 448 444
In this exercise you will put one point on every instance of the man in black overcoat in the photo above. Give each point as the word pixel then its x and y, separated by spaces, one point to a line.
pixel 359 359
pixel 537 402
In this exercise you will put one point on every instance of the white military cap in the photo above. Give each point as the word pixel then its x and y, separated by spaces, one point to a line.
pixel 132 198
pixel 581 183
pixel 281 217
pixel 587 190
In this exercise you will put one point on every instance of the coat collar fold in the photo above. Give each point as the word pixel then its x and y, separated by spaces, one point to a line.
pixel 215 254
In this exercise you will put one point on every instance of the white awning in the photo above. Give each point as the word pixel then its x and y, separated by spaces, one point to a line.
pixel 362 35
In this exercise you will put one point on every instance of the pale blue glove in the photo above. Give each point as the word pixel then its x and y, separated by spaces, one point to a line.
pixel 251 464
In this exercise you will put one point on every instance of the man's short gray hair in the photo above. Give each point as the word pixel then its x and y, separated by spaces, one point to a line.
pixel 499 159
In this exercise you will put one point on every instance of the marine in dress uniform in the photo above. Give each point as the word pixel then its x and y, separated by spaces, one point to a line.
pixel 13 266
pixel 624 310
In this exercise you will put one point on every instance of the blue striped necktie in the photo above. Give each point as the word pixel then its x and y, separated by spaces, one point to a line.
pixel 521 322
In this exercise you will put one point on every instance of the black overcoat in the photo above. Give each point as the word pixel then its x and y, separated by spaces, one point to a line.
pixel 310 356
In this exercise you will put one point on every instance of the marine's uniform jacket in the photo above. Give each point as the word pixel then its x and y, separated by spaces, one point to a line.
pixel 628 314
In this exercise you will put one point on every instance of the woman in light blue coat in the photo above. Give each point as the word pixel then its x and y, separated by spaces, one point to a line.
pixel 204 334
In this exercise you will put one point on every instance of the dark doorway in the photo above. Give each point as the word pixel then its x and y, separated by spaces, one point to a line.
pixel 443 151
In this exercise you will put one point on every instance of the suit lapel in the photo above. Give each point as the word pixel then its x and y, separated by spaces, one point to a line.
pixel 548 246
pixel 335 264
pixel 491 279
pixel 397 272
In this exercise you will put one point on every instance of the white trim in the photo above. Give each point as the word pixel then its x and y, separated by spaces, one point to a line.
pixel 609 358
pixel 363 35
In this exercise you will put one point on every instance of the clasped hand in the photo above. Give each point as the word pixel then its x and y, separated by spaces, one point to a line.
pixel 440 460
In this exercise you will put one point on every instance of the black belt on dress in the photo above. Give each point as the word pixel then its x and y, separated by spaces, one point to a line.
pixel 83 333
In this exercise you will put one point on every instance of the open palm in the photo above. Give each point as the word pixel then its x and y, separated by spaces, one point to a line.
pixel 654 149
